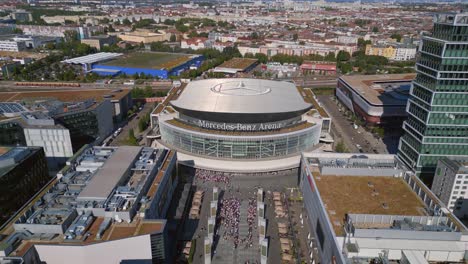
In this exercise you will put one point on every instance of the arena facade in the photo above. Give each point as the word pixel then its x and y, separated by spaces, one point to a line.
pixel 248 120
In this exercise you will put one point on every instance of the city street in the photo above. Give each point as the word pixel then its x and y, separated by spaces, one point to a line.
pixel 133 123
pixel 343 129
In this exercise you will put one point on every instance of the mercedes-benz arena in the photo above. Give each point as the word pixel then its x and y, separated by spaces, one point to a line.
pixel 238 119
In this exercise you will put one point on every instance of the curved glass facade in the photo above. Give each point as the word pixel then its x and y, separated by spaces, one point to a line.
pixel 239 147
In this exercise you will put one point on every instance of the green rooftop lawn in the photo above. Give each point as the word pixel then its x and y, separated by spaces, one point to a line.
pixel 149 60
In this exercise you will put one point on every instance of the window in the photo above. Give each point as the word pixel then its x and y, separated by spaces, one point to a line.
pixel 320 235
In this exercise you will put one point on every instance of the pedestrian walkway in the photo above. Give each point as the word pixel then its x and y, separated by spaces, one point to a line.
pixel 247 251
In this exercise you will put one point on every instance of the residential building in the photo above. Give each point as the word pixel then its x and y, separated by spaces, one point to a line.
pixel 394 51
pixel 318 67
pixel 405 52
pixel 367 208
pixel 437 124
pixel 99 42
pixel 194 43
pixel 11 45
pixel 22 16
pixel 347 39
pixel 144 36
pixel 108 205
pixel 451 184
pixel 58 31
pixel 386 51
pixel 23 172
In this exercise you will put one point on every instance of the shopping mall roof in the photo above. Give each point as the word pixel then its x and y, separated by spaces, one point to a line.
pixel 381 89
pixel 93 58
pixel 110 174
pixel 242 96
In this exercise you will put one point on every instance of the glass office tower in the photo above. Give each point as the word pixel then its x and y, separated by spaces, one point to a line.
pixel 437 123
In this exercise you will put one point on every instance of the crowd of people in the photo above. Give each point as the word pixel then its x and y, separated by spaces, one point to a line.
pixel 251 219
pixel 213 176
pixel 230 214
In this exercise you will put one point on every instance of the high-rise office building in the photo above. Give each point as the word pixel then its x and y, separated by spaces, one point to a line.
pixel 437 124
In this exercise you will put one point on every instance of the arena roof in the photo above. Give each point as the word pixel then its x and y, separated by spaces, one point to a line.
pixel 243 96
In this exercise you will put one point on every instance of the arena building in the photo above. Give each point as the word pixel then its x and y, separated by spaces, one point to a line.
pixel 239 120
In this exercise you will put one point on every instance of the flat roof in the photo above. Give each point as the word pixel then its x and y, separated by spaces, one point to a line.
pixel 235 64
pixel 109 175
pixel 241 95
pixel 352 195
pixel 362 84
pixel 150 60
pixel 66 95
pixel 93 58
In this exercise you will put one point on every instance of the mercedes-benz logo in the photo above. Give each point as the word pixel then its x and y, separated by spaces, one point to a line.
pixel 239 88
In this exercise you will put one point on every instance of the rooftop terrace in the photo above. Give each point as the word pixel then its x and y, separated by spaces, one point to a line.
pixel 366 195
pixel 371 87
pixel 150 60
pixel 240 64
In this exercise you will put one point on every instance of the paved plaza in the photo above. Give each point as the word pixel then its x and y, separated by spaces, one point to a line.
pixel 244 188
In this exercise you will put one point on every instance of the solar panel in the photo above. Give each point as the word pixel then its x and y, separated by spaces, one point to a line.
pixel 9 108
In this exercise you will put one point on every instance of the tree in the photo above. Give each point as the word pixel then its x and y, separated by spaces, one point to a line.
pixel 295 36
pixel 375 29
pixel 173 38
pixel 340 147
pixel 343 56
pixel 362 43
pixel 70 35
pixel 262 58
pixel 396 36
pixel 132 140
pixel 126 22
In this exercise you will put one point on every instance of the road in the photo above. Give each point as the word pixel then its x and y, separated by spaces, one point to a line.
pixel 133 123
pixel 320 81
pixel 352 138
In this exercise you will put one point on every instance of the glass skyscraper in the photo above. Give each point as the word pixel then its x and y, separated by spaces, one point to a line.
pixel 437 123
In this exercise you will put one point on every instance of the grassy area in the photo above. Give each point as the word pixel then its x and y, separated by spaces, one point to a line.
pixel 324 91
pixel 150 60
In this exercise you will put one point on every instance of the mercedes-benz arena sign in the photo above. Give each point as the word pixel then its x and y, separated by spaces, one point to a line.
pixel 240 119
